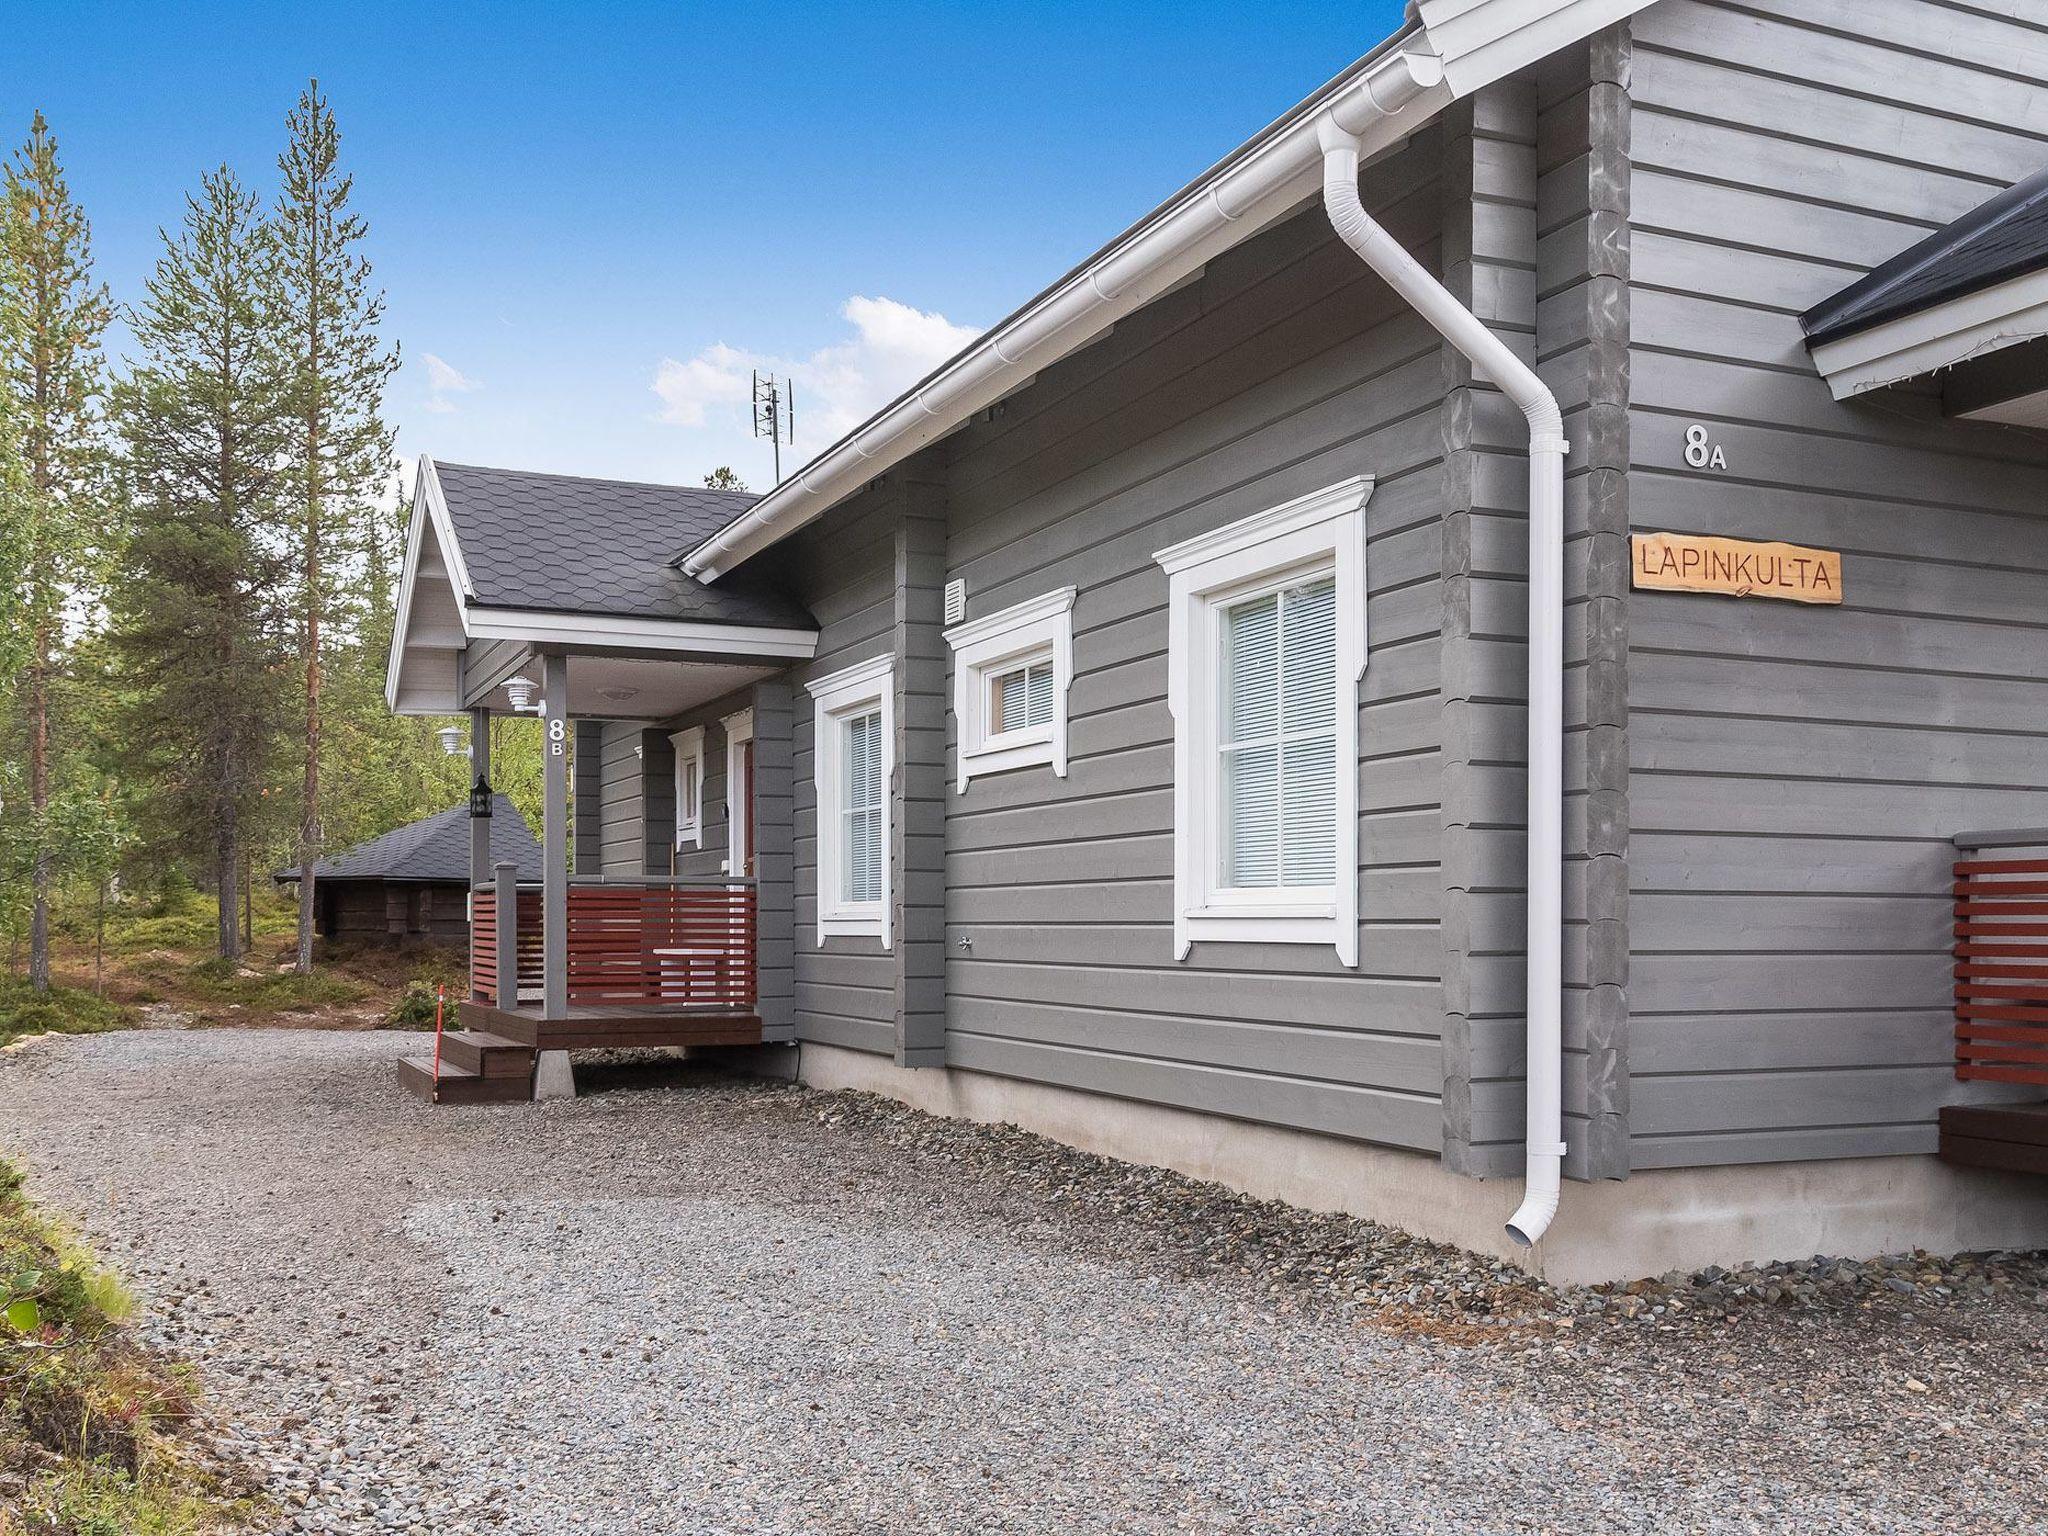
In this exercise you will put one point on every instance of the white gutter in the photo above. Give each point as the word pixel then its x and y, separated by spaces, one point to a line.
pixel 1272 174
pixel 1493 360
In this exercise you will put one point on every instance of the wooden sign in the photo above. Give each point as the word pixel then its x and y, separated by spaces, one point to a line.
pixel 1684 562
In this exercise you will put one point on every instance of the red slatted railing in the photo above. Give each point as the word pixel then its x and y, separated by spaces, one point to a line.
pixel 661 943
pixel 2001 955
pixel 483 943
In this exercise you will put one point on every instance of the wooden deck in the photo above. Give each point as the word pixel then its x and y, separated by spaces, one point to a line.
pixel 2009 1136
pixel 490 1060
pixel 614 1027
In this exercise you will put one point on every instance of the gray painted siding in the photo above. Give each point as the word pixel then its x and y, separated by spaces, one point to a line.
pixel 844 569
pixel 636 774
pixel 1284 368
pixel 1796 772
pixel 588 767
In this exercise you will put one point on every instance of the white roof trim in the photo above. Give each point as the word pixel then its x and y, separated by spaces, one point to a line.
pixel 1481 41
pixel 1930 339
pixel 428 507
pixel 544 627
pixel 1383 99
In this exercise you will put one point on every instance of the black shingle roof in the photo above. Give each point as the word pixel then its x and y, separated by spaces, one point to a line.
pixel 571 545
pixel 434 848
pixel 2002 239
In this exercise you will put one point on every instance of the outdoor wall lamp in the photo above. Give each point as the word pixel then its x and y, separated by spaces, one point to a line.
pixel 520 691
pixel 452 742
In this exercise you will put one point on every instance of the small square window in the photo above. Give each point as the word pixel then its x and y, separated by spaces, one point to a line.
pixel 1011 671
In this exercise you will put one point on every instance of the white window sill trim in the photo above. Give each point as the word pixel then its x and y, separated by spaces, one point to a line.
pixel 1209 926
pixel 853 923
pixel 1000 758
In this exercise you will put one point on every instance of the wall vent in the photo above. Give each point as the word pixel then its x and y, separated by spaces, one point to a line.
pixel 956 601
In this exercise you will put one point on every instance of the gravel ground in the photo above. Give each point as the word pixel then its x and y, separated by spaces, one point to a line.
pixel 687 1304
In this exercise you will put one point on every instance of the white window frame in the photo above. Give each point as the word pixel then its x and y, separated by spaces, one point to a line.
pixel 854 690
pixel 1041 629
pixel 739 730
pixel 1322 531
pixel 689 748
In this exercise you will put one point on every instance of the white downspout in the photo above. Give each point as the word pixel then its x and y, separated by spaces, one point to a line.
pixel 1493 360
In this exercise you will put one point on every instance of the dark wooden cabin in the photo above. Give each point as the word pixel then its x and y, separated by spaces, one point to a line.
pixel 412 884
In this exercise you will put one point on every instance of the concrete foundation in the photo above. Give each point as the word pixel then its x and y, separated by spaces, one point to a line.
pixel 1649 1224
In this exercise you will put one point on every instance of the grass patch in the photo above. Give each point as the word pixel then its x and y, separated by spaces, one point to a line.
pixel 222 992
pixel 61 1010
pixel 93 1429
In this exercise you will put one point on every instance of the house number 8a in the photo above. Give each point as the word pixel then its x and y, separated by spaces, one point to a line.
pixel 1700 453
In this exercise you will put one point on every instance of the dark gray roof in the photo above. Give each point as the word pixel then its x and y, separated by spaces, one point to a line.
pixel 571 545
pixel 434 848
pixel 2002 239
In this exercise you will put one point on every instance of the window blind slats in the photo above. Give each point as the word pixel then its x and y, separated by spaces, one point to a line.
pixel 1278 741
pixel 863 808
pixel 1023 697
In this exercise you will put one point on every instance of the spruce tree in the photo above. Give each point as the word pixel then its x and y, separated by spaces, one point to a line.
pixel 53 316
pixel 339 451
pixel 197 618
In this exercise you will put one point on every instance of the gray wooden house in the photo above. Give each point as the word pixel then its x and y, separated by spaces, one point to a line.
pixel 1469 667
pixel 411 885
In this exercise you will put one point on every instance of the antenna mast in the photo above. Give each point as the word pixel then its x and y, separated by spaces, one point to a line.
pixel 775 413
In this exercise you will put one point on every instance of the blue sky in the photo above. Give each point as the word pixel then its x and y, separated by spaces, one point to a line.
pixel 591 220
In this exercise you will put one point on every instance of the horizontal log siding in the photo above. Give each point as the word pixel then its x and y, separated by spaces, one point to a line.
pixel 1796 772
pixel 1284 368
pixel 844 569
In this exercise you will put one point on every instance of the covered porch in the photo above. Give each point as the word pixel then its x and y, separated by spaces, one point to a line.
pixel 637 933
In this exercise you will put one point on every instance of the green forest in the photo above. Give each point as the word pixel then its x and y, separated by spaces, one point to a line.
pixel 201 535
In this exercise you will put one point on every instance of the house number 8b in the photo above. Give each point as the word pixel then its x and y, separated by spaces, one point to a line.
pixel 1700 453
pixel 558 731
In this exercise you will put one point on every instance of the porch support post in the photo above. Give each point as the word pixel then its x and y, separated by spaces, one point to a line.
pixel 507 916
pixel 480 769
pixel 555 838
pixel 917 830
pixel 552 1077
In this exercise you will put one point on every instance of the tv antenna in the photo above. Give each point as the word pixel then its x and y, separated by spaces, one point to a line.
pixel 775 413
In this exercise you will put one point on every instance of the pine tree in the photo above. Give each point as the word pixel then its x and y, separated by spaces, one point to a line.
pixel 204 420
pixel 340 449
pixel 52 320
pixel 724 478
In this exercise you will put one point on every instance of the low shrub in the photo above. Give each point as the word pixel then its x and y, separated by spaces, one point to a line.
pixel 61 1010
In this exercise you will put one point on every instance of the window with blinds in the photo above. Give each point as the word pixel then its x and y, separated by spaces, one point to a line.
pixel 863 804
pixel 1277 738
pixel 1020 697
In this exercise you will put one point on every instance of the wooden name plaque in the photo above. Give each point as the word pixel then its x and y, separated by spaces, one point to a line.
pixel 1684 562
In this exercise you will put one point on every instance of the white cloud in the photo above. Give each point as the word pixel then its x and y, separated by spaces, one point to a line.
pixel 836 387
pixel 444 380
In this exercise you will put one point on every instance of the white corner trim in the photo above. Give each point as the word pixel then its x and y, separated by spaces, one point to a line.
pixel 1039 625
pixel 1929 339
pixel 739 730
pixel 850 690
pixel 1324 527
pixel 689 748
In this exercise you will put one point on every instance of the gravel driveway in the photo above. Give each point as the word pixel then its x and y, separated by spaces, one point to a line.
pixel 686 1304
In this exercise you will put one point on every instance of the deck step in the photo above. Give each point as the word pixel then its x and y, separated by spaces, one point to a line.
pixel 485 1054
pixel 459 1085
pixel 601 1028
pixel 2009 1136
